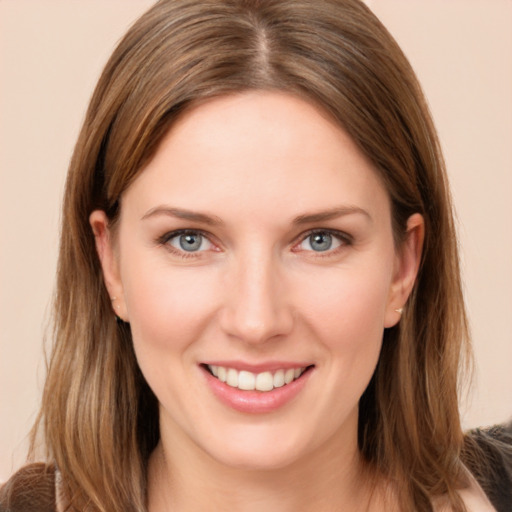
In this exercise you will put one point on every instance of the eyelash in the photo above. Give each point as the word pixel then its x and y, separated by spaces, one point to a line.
pixel 165 239
pixel 344 239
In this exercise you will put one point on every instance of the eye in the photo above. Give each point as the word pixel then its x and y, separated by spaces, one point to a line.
pixel 322 241
pixel 189 241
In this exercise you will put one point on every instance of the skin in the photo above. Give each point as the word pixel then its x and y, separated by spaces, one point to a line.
pixel 258 291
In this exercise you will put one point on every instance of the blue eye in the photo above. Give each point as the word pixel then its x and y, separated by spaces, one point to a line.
pixel 321 241
pixel 190 241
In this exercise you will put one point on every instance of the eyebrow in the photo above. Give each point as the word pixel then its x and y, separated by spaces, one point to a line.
pixel 213 220
pixel 332 213
pixel 179 213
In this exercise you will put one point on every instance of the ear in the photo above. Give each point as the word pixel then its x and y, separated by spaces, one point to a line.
pixel 109 261
pixel 407 263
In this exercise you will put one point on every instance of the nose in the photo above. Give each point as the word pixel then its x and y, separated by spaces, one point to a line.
pixel 256 308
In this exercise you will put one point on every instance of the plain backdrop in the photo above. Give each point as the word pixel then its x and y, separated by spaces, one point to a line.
pixel 51 54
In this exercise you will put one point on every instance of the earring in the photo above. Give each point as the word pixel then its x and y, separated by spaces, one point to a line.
pixel 399 310
pixel 116 308
pixel 113 299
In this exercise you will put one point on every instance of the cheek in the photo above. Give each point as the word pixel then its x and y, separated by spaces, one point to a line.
pixel 347 318
pixel 166 306
pixel 347 307
pixel 168 310
pixel 346 315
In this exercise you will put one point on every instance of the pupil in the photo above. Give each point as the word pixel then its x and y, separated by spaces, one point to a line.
pixel 321 241
pixel 190 242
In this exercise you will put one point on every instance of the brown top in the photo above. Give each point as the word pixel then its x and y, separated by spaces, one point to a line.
pixel 32 488
pixel 494 471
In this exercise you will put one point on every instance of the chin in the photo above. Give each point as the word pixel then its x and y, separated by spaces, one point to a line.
pixel 268 452
pixel 257 461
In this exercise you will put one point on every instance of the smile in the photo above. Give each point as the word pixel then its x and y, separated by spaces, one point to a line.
pixel 256 389
pixel 249 381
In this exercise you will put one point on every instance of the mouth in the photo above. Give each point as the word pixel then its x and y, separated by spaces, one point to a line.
pixel 256 389
pixel 264 382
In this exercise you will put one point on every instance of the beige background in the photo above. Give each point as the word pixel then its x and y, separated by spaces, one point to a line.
pixel 51 53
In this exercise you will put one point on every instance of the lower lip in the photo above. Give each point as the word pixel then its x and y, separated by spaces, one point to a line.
pixel 256 402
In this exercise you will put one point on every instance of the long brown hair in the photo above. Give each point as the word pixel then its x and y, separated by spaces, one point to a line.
pixel 99 419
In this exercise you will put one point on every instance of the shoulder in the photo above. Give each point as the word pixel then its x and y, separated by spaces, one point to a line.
pixel 475 499
pixel 31 489
pixel 488 455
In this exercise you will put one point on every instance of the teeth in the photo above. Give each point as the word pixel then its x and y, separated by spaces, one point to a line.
pixel 221 373
pixel 264 381
pixel 279 379
pixel 248 381
pixel 232 379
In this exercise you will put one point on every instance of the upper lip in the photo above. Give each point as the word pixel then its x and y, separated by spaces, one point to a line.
pixel 268 366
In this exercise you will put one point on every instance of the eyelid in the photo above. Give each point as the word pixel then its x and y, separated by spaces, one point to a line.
pixel 178 232
pixel 343 237
pixel 164 240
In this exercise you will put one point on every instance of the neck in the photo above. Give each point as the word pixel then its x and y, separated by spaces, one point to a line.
pixel 332 478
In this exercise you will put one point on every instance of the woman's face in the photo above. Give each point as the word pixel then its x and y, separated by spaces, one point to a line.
pixel 256 247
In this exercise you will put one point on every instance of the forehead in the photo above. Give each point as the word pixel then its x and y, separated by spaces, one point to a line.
pixel 258 149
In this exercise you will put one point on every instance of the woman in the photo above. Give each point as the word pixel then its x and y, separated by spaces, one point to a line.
pixel 258 299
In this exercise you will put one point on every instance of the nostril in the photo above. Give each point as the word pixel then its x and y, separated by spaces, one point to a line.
pixel 244 326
